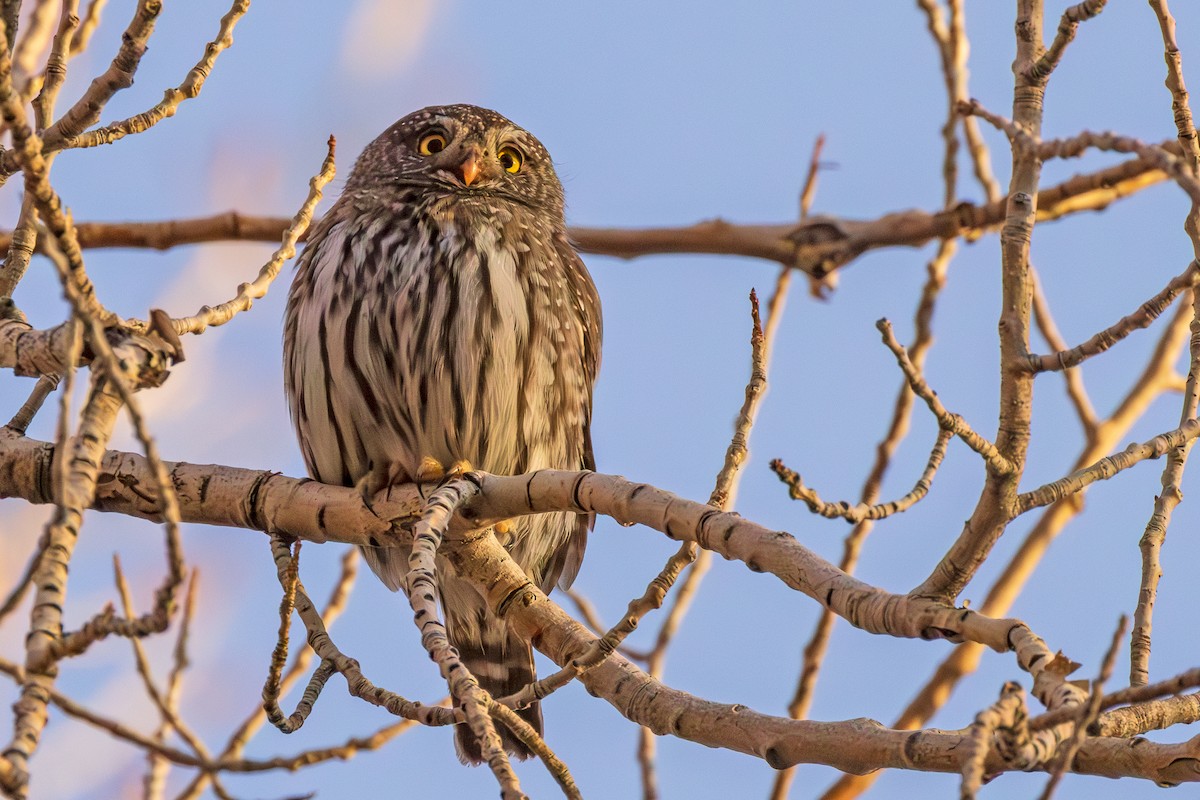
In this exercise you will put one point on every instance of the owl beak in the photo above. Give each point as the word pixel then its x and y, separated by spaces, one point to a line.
pixel 470 168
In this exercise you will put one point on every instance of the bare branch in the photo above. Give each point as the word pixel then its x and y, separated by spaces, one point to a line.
pixel 1110 466
pixel 1165 502
pixel 948 421
pixel 421 586
pixel 56 65
pixel 1155 533
pixel 28 153
pixel 1151 716
pixel 119 75
pixel 816 245
pixel 316 512
pixel 49 580
pixel 1087 714
pixel 1146 314
pixel 23 583
pixel 933 694
pixel 1131 695
pixel 91 20
pixel 1180 107
pixel 189 89
pixel 247 293
pixel 33 40
pixel 863 511
pixel 1040 71
pixel 1074 379
pixel 20 247
pixel 1005 718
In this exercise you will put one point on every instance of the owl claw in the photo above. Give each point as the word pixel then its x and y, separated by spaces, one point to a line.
pixel 433 471
pixel 503 531
pixel 429 470
pixel 381 477
pixel 367 489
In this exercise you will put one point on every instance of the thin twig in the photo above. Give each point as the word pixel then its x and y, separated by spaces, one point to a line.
pixel 91 20
pixel 1130 695
pixel 55 72
pixel 952 422
pixel 1007 718
pixel 1073 377
pixel 169 718
pixel 421 586
pixel 247 293
pixel 41 391
pixel 23 583
pixel 1067 26
pixel 290 580
pixel 237 740
pixel 1146 314
pixel 863 511
pixel 187 90
pixel 1150 545
pixel 1086 714
pixel 155 780
pixel 1110 466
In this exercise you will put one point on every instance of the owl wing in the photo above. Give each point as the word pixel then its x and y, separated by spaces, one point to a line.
pixel 570 556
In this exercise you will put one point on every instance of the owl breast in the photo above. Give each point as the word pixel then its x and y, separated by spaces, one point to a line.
pixel 442 339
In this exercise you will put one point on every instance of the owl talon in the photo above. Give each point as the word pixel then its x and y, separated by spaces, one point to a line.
pixel 381 477
pixel 503 531
pixel 430 470
pixel 433 471
pixel 367 488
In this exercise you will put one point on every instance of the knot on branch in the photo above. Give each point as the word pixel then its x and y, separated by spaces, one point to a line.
pixel 142 359
pixel 9 310
pixel 823 244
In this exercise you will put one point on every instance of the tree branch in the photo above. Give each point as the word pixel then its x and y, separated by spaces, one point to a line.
pixel 817 245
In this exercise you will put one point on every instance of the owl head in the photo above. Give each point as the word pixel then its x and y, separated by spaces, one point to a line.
pixel 460 150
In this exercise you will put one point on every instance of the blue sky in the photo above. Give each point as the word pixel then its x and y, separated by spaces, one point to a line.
pixel 656 114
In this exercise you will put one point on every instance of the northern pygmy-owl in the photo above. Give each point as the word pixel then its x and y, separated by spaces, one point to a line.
pixel 439 311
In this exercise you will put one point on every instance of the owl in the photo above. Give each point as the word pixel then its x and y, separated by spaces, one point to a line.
pixel 440 315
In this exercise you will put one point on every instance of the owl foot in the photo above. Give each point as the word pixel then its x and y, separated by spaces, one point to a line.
pixel 503 531
pixel 433 471
pixel 382 476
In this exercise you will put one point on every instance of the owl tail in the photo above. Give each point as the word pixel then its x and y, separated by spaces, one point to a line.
pixel 501 661
pixel 503 664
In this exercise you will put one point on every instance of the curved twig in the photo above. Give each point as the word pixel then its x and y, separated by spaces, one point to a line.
pixel 863 511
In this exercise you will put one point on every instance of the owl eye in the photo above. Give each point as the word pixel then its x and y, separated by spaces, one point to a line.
pixel 431 143
pixel 510 158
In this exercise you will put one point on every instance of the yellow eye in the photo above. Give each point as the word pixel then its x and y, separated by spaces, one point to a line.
pixel 510 159
pixel 431 143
